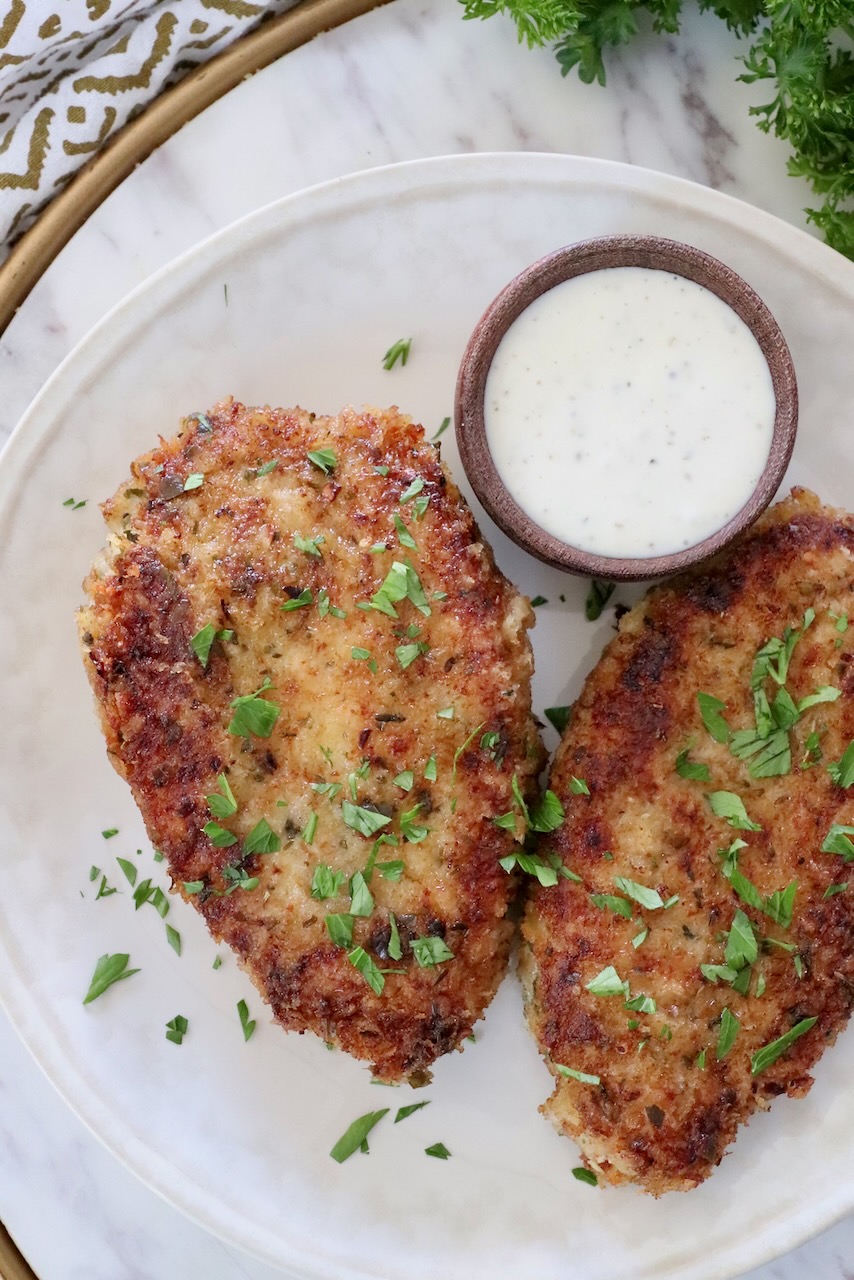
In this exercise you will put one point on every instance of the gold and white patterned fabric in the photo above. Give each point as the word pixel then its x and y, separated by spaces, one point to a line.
pixel 72 72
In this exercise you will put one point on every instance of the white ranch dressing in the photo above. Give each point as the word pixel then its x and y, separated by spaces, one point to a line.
pixel 629 412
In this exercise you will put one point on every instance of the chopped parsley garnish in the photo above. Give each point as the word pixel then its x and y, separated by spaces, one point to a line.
pixel 309 831
pixel 217 964
pixel 202 642
pixel 237 878
pixel 325 459
pixel 649 898
pixel 598 596
pixel 366 821
pixel 401 582
pixel 110 832
pixel 406 654
pixel 325 605
pixel 397 351
pixel 537 601
pixel 311 546
pixel 445 423
pixel 558 716
pixel 700 1060
pixel 730 1027
pixel 405 538
pixel 391 870
pixel 246 1022
pixel 741 946
pixel 73 504
pixel 833 889
pixel 340 929
pixel 547 870
pixel 356 1135
pixel 439 1150
pixel 640 938
pixel 410 830
pixel 104 890
pixel 193 886
pixel 842 770
pixel 768 1055
pixel 446 713
pixel 578 787
pixel 404 1112
pixel 412 490
pixel 225 805
pixel 177 1029
pixel 219 836
pixel 326 883
pixel 606 983
pixel 173 937
pixel 430 952
pixel 262 839
pixel 547 814
pixel 640 1004
pixel 361 898
pixel 330 789
pixel 727 805
pixel 108 970
pixel 194 481
pixel 585 1175
pixel 359 654
pixel 129 869
pixel 395 950
pixel 266 468
pixel 838 840
pixel 713 972
pixel 610 902
pixel 710 710
pixel 693 770
pixel 363 964
pixel 404 780
pixel 581 1076
pixel 253 715
pixel 304 598
pixel 430 770
pixel 779 905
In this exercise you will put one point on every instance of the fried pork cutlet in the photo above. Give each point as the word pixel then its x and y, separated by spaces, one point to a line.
pixel 702 958
pixel 317 684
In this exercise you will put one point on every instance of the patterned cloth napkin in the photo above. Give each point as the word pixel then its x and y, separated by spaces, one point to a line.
pixel 72 72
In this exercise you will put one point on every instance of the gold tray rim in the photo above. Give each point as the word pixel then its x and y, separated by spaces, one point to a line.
pixel 64 216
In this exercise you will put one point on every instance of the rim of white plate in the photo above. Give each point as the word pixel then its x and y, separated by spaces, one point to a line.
pixel 347 192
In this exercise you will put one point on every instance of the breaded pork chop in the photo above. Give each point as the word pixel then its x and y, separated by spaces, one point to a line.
pixel 704 957
pixel 317 684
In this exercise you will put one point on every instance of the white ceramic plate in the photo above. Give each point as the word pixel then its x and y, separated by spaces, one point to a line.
pixel 298 303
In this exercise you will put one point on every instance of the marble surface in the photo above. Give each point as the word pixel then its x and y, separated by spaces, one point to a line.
pixel 409 80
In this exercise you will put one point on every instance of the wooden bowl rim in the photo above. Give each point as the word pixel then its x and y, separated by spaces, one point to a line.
pixel 603 253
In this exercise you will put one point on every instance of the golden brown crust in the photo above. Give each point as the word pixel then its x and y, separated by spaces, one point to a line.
pixel 224 554
pixel 657 1119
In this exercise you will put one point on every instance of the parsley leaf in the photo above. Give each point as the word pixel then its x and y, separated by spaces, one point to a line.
pixel 361 898
pixel 325 459
pixel 219 836
pixel 649 898
pixel 842 770
pixel 366 821
pixel 325 883
pixel 395 950
pixel 194 481
pixel 439 1150
pixel 397 351
pixel 176 1029
pixel 340 929
pixel 710 710
pixel 356 1135
pixel 225 805
pixel 585 1175
pixel 838 841
pixel 741 947
pixel 253 715
pixel 311 546
pixel 430 952
pixel 362 962
pixel 262 839
pixel 730 1027
pixel 409 1110
pixel 547 814
pixel 245 1021
pixel 610 902
pixel 693 770
pixel 558 716
pixel 445 423
pixel 727 805
pixel 581 1076
pixel 108 970
pixel 607 983
pixel 769 1053
pixel 598 596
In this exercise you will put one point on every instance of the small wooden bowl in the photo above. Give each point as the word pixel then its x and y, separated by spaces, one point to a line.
pixel 597 255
